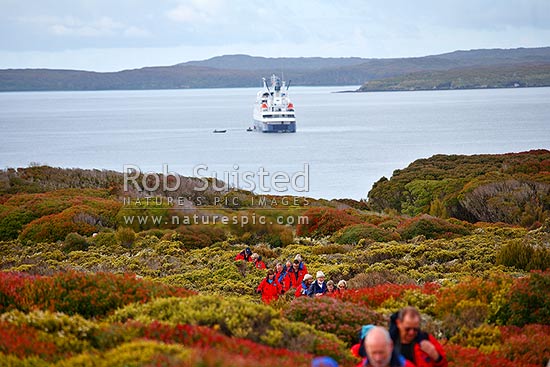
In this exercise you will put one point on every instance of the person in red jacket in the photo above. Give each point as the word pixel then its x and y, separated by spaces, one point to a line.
pixel 417 346
pixel 304 286
pixel 282 277
pixel 244 255
pixel 331 289
pixel 301 264
pixel 296 275
pixel 258 263
pixel 269 288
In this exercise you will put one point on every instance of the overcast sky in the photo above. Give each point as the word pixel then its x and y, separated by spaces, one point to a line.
pixel 103 35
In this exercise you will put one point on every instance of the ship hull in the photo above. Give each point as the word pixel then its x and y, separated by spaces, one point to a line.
pixel 275 127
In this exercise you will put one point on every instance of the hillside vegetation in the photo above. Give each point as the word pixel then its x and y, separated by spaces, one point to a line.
pixel 511 188
pixel 80 286
pixel 514 76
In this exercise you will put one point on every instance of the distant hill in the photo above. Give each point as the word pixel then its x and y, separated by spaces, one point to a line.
pixel 246 71
pixel 506 76
pixel 278 64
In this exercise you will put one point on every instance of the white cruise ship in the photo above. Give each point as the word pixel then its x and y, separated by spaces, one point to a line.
pixel 273 110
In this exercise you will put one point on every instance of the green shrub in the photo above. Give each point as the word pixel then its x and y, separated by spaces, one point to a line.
pixel 430 227
pixel 234 317
pixel 13 361
pixel 104 239
pixel 425 303
pixel 12 222
pixel 485 337
pixel 125 236
pixel 75 242
pixel 529 302
pixel 70 334
pixel 134 354
pixel 253 232
pixel 198 236
pixel 354 233
pixel 524 256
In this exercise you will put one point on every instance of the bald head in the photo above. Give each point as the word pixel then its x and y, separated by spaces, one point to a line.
pixel 379 346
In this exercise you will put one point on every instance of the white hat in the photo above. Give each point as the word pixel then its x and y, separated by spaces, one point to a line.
pixel 320 274
pixel 298 257
pixel 308 276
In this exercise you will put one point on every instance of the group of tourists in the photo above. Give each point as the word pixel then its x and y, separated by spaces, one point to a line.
pixel 290 277
pixel 404 344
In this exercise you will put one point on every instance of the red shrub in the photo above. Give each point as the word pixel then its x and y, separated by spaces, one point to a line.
pixel 21 209
pixel 11 289
pixel 475 289
pixel 375 296
pixel 23 341
pixel 471 357
pixel 530 344
pixel 344 319
pixel 89 295
pixel 325 221
pixel 529 301
pixel 209 341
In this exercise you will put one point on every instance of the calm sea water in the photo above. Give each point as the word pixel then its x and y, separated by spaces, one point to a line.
pixel 349 140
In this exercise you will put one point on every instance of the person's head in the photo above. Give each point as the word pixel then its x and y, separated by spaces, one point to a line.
pixel 379 347
pixel 408 323
pixel 279 267
pixel 342 285
pixel 248 251
pixel 270 274
pixel 298 257
pixel 308 278
pixel 288 264
pixel 296 265
pixel 330 285
pixel 320 276
pixel 254 256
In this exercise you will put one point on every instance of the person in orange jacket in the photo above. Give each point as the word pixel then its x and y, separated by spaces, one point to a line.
pixel 415 345
pixel 269 287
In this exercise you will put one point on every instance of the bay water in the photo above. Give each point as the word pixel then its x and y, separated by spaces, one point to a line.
pixel 343 144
